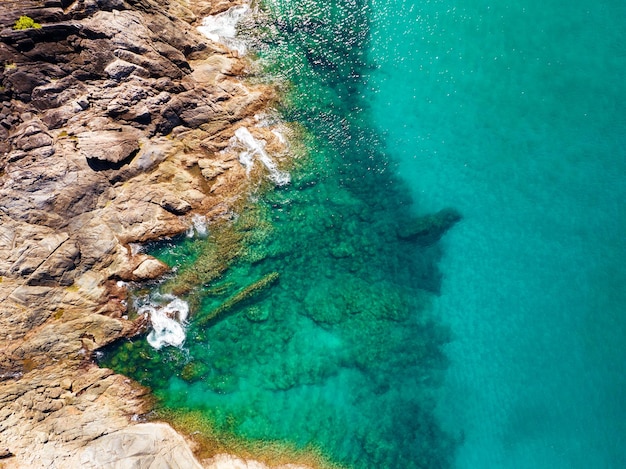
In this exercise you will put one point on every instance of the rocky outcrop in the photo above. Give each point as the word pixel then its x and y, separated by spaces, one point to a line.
pixel 115 128
pixel 146 445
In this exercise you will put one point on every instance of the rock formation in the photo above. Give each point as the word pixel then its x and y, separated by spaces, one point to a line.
pixel 429 229
pixel 115 128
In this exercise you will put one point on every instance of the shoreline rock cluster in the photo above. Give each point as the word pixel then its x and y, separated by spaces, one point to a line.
pixel 115 126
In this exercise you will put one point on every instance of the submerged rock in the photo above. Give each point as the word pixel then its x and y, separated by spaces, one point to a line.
pixel 429 228
pixel 257 314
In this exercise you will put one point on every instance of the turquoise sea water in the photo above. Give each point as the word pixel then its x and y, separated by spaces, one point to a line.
pixel 502 345
pixel 515 114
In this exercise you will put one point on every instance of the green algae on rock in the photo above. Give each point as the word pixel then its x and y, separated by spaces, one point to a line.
pixel 244 294
pixel 26 22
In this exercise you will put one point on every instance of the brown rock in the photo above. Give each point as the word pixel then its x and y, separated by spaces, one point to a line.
pixel 109 145
pixel 151 154
pixel 121 69
pixel 150 268
pixel 5 453
pixel 105 116
pixel 146 445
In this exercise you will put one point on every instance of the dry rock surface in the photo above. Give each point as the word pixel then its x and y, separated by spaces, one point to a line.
pixel 116 127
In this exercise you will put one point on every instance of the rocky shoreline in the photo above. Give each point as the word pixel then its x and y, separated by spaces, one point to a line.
pixel 116 127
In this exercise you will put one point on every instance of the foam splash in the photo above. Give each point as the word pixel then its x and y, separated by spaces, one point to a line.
pixel 281 138
pixel 198 227
pixel 168 316
pixel 256 147
pixel 136 248
pixel 222 28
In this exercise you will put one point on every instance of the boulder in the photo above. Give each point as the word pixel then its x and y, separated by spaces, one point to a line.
pixel 151 154
pixel 120 69
pixel 150 268
pixel 109 146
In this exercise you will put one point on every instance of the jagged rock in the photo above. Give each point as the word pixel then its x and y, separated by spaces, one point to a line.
pixel 125 99
pixel 174 204
pixel 143 221
pixel 33 254
pixel 58 117
pixel 58 268
pixel 56 93
pixel 173 55
pixel 151 154
pixel 31 136
pixel 152 66
pixel 22 83
pixel 211 169
pixel 105 114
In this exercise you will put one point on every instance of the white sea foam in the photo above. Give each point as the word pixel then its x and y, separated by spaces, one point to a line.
pixel 168 316
pixel 136 248
pixel 222 28
pixel 254 147
pixel 198 227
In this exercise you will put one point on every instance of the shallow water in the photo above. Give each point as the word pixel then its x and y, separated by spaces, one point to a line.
pixel 499 346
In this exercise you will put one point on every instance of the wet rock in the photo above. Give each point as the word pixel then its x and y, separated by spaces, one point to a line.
pixel 257 314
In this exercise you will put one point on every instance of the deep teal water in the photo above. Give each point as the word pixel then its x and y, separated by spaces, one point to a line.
pixel 514 113
pixel 500 345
